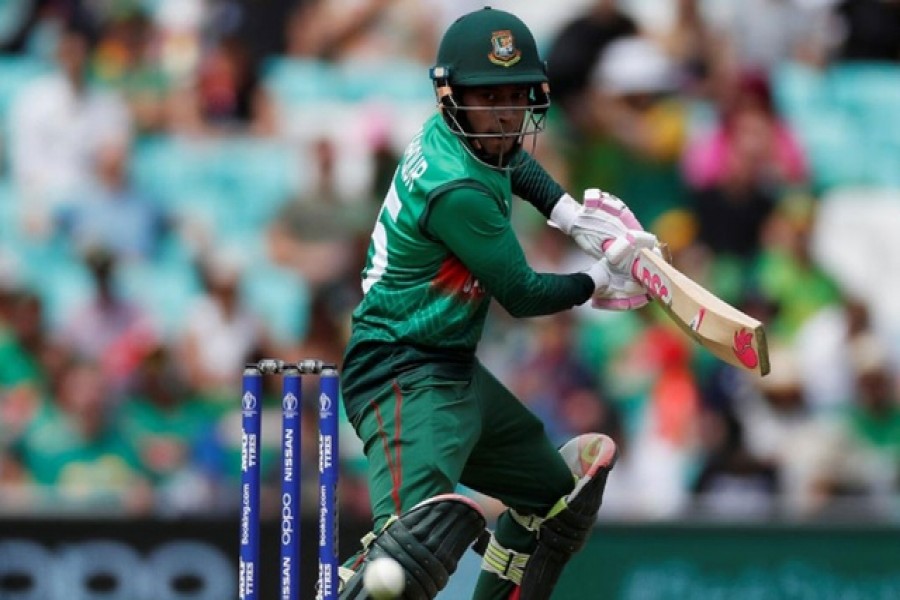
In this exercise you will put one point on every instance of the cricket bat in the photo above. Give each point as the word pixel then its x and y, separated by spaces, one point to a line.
pixel 729 334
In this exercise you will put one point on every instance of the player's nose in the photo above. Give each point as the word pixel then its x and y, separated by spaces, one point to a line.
pixel 508 116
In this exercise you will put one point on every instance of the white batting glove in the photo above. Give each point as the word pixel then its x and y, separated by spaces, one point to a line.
pixel 597 223
pixel 615 289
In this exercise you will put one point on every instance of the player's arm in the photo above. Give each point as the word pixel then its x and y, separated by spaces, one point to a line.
pixel 603 226
pixel 470 223
pixel 594 224
pixel 533 184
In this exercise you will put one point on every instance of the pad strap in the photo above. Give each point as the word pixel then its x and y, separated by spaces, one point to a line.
pixel 529 522
pixel 504 563
pixel 533 522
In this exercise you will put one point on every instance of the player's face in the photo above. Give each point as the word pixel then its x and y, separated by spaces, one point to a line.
pixel 498 110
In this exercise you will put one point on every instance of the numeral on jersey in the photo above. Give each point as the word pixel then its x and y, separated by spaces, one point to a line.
pixel 392 206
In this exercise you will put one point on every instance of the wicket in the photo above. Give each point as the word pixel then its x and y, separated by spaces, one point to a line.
pixel 251 429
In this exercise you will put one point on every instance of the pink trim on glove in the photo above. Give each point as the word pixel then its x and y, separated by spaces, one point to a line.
pixel 620 303
pixel 635 269
pixel 624 213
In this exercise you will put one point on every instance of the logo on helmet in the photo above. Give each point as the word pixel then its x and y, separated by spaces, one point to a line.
pixel 504 51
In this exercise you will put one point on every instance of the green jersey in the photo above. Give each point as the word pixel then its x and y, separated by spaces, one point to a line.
pixel 442 247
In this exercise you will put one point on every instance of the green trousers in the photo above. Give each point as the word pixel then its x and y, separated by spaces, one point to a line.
pixel 424 434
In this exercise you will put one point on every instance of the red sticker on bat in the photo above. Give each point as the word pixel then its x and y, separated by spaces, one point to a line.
pixel 654 281
pixel 743 349
pixel 697 321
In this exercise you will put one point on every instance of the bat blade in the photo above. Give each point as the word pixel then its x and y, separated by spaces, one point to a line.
pixel 729 334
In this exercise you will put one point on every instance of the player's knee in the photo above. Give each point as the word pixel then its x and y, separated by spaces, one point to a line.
pixel 431 481
pixel 560 482
pixel 558 477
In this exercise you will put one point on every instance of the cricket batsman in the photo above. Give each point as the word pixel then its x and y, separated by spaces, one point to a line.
pixel 429 414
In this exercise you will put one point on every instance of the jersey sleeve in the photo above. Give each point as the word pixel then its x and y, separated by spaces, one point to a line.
pixel 470 223
pixel 532 183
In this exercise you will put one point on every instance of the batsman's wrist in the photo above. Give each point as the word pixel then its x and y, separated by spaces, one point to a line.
pixel 599 273
pixel 565 212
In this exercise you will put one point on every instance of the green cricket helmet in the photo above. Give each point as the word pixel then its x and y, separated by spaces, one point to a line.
pixel 486 48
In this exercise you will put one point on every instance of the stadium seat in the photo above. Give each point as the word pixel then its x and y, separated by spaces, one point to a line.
pixel 15 71
pixel 836 147
pixel 870 92
pixel 797 88
pixel 394 81
pixel 164 288
pixel 293 81
pixel 280 297
pixel 884 163
pixel 863 87
pixel 239 181
pixel 62 282
pixel 9 213
pixel 162 168
pixel 255 177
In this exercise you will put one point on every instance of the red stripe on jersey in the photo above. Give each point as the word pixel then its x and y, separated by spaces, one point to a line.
pixel 453 278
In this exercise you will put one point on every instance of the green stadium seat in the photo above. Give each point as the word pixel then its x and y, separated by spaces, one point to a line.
pixel 15 71
pixel 9 211
pixel 797 88
pixel 846 118
pixel 884 164
pixel 864 87
pixel 63 282
pixel 835 146
pixel 164 288
pixel 256 177
pixel 293 81
pixel 280 297
pixel 393 81
pixel 236 182
pixel 162 169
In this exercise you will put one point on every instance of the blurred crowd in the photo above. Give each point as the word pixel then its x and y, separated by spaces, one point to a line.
pixel 187 185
